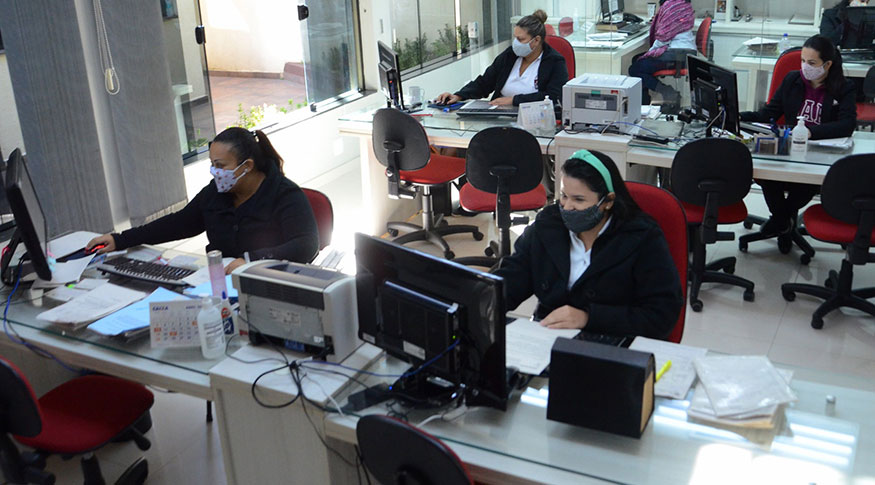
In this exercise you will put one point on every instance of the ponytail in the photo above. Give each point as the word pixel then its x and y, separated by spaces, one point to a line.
pixel 251 144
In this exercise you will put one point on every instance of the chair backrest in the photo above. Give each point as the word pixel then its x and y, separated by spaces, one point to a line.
pixel 324 214
pixel 563 47
pixel 502 149
pixel 703 39
pixel 19 409
pixel 396 452
pixel 566 26
pixel 550 29
pixel 789 60
pixel 393 127
pixel 848 182
pixel 668 212
pixel 721 161
pixel 869 84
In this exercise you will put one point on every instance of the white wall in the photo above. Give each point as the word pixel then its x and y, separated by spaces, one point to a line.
pixel 251 36
pixel 10 130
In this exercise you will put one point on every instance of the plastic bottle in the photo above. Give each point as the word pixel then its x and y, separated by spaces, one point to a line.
pixel 209 327
pixel 227 315
pixel 217 273
pixel 799 138
pixel 784 43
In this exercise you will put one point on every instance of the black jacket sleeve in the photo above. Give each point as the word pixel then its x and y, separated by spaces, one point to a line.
pixel 298 226
pixel 184 223
pixel 845 121
pixel 517 272
pixel 657 299
pixel 551 77
pixel 774 109
pixel 484 83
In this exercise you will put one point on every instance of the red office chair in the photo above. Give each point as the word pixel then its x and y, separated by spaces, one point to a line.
pixel 401 145
pixel 75 418
pixel 324 214
pixel 668 212
pixel 563 47
pixel 566 26
pixel 711 176
pixel 866 109
pixel 704 45
pixel 550 29
pixel 395 452
pixel 846 215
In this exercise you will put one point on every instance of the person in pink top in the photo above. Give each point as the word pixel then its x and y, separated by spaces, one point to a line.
pixel 670 32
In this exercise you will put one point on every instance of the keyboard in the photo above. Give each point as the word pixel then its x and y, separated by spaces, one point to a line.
pixel 631 27
pixel 612 340
pixel 483 108
pixel 162 274
pixel 858 56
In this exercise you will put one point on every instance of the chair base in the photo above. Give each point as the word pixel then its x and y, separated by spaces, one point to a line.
pixel 712 274
pixel 433 235
pixel 136 474
pixel 836 292
pixel 785 241
pixel 484 261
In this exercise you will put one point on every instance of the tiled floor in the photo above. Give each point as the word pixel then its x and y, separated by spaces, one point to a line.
pixel 232 93
pixel 186 449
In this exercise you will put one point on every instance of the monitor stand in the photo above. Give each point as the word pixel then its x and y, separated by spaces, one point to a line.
pixel 8 271
pixel 416 391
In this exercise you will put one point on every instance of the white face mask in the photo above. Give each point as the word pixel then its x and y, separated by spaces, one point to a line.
pixel 811 73
pixel 225 179
pixel 521 49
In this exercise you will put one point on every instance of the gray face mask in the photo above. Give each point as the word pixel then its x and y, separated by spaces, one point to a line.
pixel 582 220
pixel 521 49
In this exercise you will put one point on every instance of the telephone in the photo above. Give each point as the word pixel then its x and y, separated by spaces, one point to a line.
pixel 632 18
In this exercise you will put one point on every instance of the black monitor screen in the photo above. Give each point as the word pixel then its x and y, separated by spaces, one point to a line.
pixel 29 219
pixel 390 75
pixel 612 7
pixel 416 306
pixel 714 94
pixel 858 29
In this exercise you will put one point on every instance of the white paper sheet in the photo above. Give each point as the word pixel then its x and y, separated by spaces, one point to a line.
pixel 757 41
pixel 96 303
pixel 202 275
pixel 133 316
pixel 676 381
pixel 70 243
pixel 844 143
pixel 64 273
pixel 528 345
pixel 738 384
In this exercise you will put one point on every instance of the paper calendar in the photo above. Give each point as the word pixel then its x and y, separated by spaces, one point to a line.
pixel 174 323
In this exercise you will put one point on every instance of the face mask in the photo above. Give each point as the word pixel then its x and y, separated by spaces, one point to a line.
pixel 225 179
pixel 520 49
pixel 582 220
pixel 811 73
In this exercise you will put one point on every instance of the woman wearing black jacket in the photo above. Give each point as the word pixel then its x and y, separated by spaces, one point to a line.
pixel 595 260
pixel 248 207
pixel 826 99
pixel 527 71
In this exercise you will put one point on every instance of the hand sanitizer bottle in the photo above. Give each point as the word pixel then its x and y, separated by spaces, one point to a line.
pixel 799 138
pixel 210 328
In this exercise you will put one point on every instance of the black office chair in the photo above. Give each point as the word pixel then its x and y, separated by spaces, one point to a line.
pixel 711 176
pixel 395 452
pixel 400 144
pixel 846 215
pixel 504 168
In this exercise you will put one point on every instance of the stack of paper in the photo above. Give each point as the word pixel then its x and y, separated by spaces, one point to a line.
pixel 134 317
pixel 95 304
pixel 528 345
pixel 845 143
pixel 676 381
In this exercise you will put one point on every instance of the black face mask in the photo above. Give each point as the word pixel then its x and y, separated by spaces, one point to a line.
pixel 578 221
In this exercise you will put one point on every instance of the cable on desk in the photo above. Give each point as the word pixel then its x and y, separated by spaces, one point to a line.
pixel 329 371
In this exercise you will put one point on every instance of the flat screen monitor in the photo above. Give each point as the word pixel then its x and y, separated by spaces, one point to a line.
pixel 428 310
pixel 612 11
pixel 714 94
pixel 390 75
pixel 30 221
pixel 858 29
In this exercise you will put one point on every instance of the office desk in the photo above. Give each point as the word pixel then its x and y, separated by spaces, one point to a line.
pixel 823 443
pixel 443 129
pixel 606 57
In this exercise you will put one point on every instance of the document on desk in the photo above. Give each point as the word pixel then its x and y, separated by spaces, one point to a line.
pixel 528 345
pixel 63 273
pixel 206 288
pixel 202 275
pixel 95 304
pixel 843 143
pixel 134 316
pixel 676 381
pixel 70 243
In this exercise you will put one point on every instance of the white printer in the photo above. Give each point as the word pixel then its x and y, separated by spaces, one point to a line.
pixel 601 99
pixel 299 306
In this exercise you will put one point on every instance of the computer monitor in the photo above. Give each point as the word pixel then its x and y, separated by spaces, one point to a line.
pixel 428 310
pixel 29 219
pixel 612 11
pixel 390 76
pixel 714 94
pixel 858 29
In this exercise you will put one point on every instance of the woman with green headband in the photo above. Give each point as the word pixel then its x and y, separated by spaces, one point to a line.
pixel 595 260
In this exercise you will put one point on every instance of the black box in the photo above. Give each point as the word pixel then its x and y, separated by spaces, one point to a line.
pixel 601 387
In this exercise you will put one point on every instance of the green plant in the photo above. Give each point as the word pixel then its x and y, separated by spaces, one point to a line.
pixel 249 119
pixel 412 52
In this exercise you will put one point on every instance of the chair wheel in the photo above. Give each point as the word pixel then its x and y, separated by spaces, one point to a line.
pixel 696 305
pixel 748 224
pixel 742 246
pixel 816 323
pixel 729 269
pixel 785 244
pixel 749 295
pixel 489 252
pixel 478 236
pixel 443 223
pixel 449 255
pixel 805 259
pixel 788 295
pixel 829 283
pixel 392 232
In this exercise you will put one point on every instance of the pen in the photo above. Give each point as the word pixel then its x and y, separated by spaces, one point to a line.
pixel 422 114
pixel 662 371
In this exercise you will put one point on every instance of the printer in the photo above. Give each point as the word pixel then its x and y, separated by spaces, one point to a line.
pixel 601 99
pixel 299 306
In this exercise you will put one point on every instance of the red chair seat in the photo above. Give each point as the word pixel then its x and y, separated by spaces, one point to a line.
pixel 440 169
pixel 865 112
pixel 727 215
pixel 825 228
pixel 669 72
pixel 85 413
pixel 475 200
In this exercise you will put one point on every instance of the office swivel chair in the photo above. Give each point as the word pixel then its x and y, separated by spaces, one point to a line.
pixel 504 168
pixel 395 452
pixel 846 215
pixel 711 176
pixel 401 145
pixel 866 109
pixel 668 212
pixel 704 46
pixel 564 47
pixel 75 418
pixel 566 26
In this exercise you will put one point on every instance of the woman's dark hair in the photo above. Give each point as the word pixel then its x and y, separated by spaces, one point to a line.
pixel 835 79
pixel 624 207
pixel 251 144
pixel 534 24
